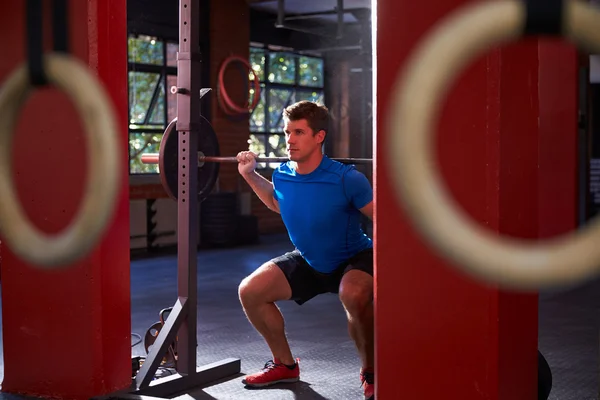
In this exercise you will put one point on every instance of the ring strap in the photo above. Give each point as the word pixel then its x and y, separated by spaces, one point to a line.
pixel 544 17
pixel 34 26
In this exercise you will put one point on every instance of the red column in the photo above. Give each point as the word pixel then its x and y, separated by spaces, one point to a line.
pixel 66 333
pixel 441 334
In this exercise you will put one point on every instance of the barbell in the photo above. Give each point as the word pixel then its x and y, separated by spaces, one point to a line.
pixel 208 159
pixel 413 112
pixel 153 158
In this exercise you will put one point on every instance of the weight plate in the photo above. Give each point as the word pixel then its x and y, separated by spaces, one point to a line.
pixel 150 339
pixel 169 160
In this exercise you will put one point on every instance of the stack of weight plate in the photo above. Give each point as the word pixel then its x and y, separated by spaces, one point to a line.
pixel 219 219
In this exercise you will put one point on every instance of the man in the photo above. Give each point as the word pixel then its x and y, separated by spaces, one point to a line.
pixel 320 202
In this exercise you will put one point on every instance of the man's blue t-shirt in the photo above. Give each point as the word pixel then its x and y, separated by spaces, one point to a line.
pixel 321 211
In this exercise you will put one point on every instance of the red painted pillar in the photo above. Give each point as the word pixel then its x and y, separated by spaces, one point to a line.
pixel 66 333
pixel 507 127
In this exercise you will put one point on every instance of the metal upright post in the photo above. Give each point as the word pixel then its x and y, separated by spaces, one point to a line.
pixel 181 324
pixel 188 127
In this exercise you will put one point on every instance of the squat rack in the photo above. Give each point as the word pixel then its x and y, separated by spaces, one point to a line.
pixel 181 324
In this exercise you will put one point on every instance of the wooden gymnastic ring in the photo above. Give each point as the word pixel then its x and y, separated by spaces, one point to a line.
pixel 105 166
pixel 414 111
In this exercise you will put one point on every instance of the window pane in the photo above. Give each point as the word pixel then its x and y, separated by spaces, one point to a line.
pixel 172 49
pixel 140 143
pixel 145 50
pixel 257 118
pixel 277 145
pixel 256 144
pixel 311 71
pixel 158 112
pixel 267 146
pixel 278 100
pixel 316 96
pixel 276 148
pixel 171 98
pixel 141 88
pixel 257 60
pixel 282 68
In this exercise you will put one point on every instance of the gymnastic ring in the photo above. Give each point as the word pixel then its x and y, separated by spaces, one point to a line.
pixel 104 166
pixel 414 108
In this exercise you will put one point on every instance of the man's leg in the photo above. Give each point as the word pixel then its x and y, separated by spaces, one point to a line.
pixel 258 294
pixel 283 278
pixel 356 294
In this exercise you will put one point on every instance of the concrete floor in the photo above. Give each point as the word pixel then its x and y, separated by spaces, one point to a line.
pixel 568 323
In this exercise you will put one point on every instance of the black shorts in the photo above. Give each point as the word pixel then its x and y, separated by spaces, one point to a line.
pixel 307 283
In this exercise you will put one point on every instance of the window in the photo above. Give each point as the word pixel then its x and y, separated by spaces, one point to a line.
pixel 152 71
pixel 285 78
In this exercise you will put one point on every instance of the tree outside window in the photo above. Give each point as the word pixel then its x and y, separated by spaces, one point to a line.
pixel 286 78
pixel 152 70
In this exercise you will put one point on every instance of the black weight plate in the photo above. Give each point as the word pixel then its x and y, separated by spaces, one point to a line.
pixel 169 160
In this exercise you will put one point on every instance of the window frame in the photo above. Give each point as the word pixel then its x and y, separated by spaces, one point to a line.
pixel 163 71
pixel 294 88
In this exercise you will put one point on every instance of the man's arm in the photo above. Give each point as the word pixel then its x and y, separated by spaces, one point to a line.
pixel 263 189
pixel 368 210
pixel 359 192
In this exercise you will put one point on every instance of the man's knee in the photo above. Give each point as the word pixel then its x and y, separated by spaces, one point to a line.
pixel 356 292
pixel 248 290
pixel 265 285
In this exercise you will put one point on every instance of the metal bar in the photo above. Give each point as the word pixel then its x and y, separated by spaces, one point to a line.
pixel 340 19
pixel 157 69
pixel 126 396
pixel 166 336
pixel 281 159
pixel 188 127
pixel 157 235
pixel 280 13
pixel 317 14
pixel 331 49
pixel 175 384
pixel 279 23
pixel 152 158
pixel 583 157
pixel 154 99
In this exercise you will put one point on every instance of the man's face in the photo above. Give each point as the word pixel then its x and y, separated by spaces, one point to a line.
pixel 301 141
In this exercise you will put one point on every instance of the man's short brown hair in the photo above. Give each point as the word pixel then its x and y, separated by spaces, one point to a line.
pixel 317 116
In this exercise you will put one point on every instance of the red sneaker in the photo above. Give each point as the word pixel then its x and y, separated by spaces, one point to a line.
pixel 367 379
pixel 273 372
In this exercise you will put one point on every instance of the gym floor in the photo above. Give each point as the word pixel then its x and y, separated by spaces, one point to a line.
pixel 317 330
